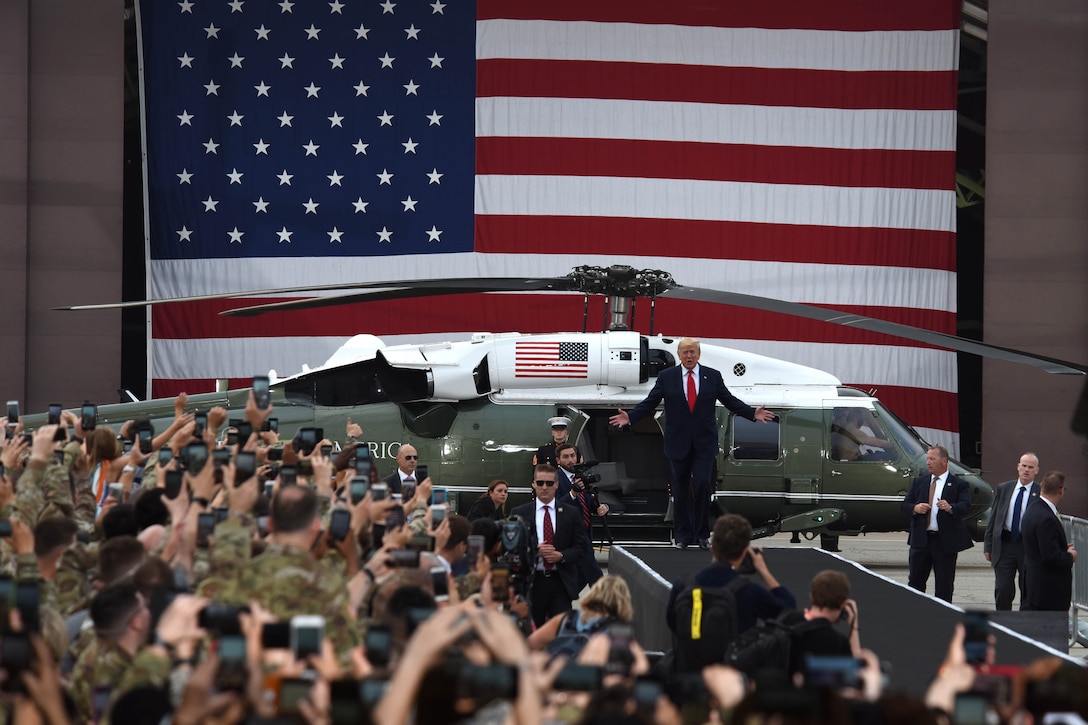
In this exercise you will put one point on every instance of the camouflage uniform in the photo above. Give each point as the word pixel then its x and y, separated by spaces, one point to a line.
pixel 288 581
pixel 43 490
pixel 148 669
pixel 102 663
pixel 75 572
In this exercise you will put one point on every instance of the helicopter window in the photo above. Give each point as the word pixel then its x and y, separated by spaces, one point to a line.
pixel 753 441
pixel 909 440
pixel 857 435
pixel 659 360
pixel 354 384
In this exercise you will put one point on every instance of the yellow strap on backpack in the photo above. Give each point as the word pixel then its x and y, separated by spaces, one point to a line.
pixel 697 613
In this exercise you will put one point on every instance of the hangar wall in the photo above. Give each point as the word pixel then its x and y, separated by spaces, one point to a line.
pixel 1036 276
pixel 61 142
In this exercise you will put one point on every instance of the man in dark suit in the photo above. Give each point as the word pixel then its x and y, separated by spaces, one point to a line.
pixel 559 539
pixel 691 436
pixel 1048 556
pixel 937 503
pixel 571 489
pixel 1003 546
pixel 407 458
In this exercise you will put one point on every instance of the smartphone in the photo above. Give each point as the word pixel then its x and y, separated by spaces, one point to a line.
pixel 359 485
pixel 28 601
pixel 976 635
pixel 438 493
pixel 276 635
pixel 196 455
pixel 173 483
pixel 28 439
pixel 288 475
pixel 245 430
pixel 305 467
pixel 438 515
pixel 620 657
pixel 166 454
pixel 362 467
pixel 421 473
pixel 308 439
pixel 5 529
pixel 261 395
pixel 500 585
pixel 271 424
pixel 379 492
pixel 220 619
pixel 231 674
pixel 200 424
pixel 88 417
pixel 339 524
pixel 54 414
pixel 440 582
pixel 275 454
pixel 221 513
pixel 475 548
pixel 394 518
pixel 307 634
pixel 205 526
pixel 407 490
pixel 245 467
pixel 326 450
pixel 146 437
pixel 404 559
pixel 117 491
pixel 290 691
pixel 422 542
pixel 377 643
pixel 971 708
pixel 579 678
pixel 833 671
pixel 13 412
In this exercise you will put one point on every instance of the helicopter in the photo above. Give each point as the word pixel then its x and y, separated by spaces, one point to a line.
pixel 475 409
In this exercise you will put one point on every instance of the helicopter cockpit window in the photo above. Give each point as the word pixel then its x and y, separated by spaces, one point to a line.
pixel 355 384
pixel 755 441
pixel 857 435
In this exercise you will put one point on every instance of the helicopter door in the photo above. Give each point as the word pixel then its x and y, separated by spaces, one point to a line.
pixel 751 467
pixel 575 431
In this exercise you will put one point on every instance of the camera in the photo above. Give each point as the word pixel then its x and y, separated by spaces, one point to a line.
pixel 517 556
pixel 584 471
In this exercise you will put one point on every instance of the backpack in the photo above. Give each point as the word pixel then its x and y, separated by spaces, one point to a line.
pixel 705 622
pixel 573 636
pixel 765 649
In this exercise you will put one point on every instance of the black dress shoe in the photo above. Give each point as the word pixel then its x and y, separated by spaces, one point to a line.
pixel 704 544
pixel 678 545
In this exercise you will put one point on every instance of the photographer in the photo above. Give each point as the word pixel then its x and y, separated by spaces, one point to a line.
pixel 572 487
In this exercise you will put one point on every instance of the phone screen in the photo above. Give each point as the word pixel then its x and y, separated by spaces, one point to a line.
pixel 339 524
pixel 832 671
pixel 88 417
pixel 245 466
pixel 13 412
pixel 306 636
pixel 359 485
pixel 54 414
pixel 288 475
pixel 165 456
pixel 200 424
pixel 378 642
pixel 205 526
pixel 146 438
pixel 379 492
pixel 475 548
pixel 440 583
pixel 438 495
pixel 394 518
pixel 260 392
pixel 196 455
pixel 421 472
pixel 500 584
pixel 307 440
pixel 976 636
pixel 362 467
pixel 173 483
pixel 272 424
pixel 438 515
pixel 245 430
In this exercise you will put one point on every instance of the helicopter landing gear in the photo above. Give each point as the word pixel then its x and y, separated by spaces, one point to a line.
pixel 796 538
pixel 829 543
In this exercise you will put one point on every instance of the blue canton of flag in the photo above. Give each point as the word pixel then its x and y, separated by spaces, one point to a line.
pixel 308 129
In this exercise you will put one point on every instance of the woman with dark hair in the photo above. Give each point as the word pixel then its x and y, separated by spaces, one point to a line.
pixel 105 461
pixel 491 505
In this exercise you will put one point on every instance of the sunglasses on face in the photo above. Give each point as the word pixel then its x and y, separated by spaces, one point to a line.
pixel 410 458
pixel 544 483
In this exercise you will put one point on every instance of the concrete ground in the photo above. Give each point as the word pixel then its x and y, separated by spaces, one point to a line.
pixel 886 554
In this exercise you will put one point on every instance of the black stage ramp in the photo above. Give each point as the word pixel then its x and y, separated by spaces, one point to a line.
pixel 908 629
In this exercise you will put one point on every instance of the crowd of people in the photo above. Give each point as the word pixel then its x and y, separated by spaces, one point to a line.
pixel 213 575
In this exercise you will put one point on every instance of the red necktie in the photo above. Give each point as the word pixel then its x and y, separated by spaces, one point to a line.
pixel 691 390
pixel 549 532
pixel 585 509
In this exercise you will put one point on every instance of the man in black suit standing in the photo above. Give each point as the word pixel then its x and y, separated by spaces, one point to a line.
pixel 556 528
pixel 937 503
pixel 407 458
pixel 1003 546
pixel 1048 555
pixel 691 436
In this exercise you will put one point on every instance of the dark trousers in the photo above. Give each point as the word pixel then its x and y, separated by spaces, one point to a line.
pixel 691 496
pixel 1006 570
pixel 549 598
pixel 930 556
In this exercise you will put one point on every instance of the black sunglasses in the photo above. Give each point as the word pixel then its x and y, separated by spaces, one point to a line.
pixel 411 458
pixel 544 483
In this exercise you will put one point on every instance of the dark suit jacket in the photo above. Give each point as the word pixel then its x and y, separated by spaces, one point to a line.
pixel 393 479
pixel 569 539
pixel 1048 567
pixel 954 535
pixel 1003 497
pixel 686 429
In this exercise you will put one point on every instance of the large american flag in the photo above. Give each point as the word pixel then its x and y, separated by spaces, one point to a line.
pixel 800 150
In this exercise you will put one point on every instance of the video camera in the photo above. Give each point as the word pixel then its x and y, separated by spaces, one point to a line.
pixel 518 556
pixel 584 471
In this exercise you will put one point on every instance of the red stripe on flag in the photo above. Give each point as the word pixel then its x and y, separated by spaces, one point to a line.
pixel 796 87
pixel 831 15
pixel 522 313
pixel 885 168
pixel 696 238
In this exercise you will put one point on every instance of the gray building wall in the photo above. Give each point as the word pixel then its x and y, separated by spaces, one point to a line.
pixel 61 141
pixel 1036 277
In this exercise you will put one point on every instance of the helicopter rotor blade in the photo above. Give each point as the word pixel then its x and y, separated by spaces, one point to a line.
pixel 848 319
